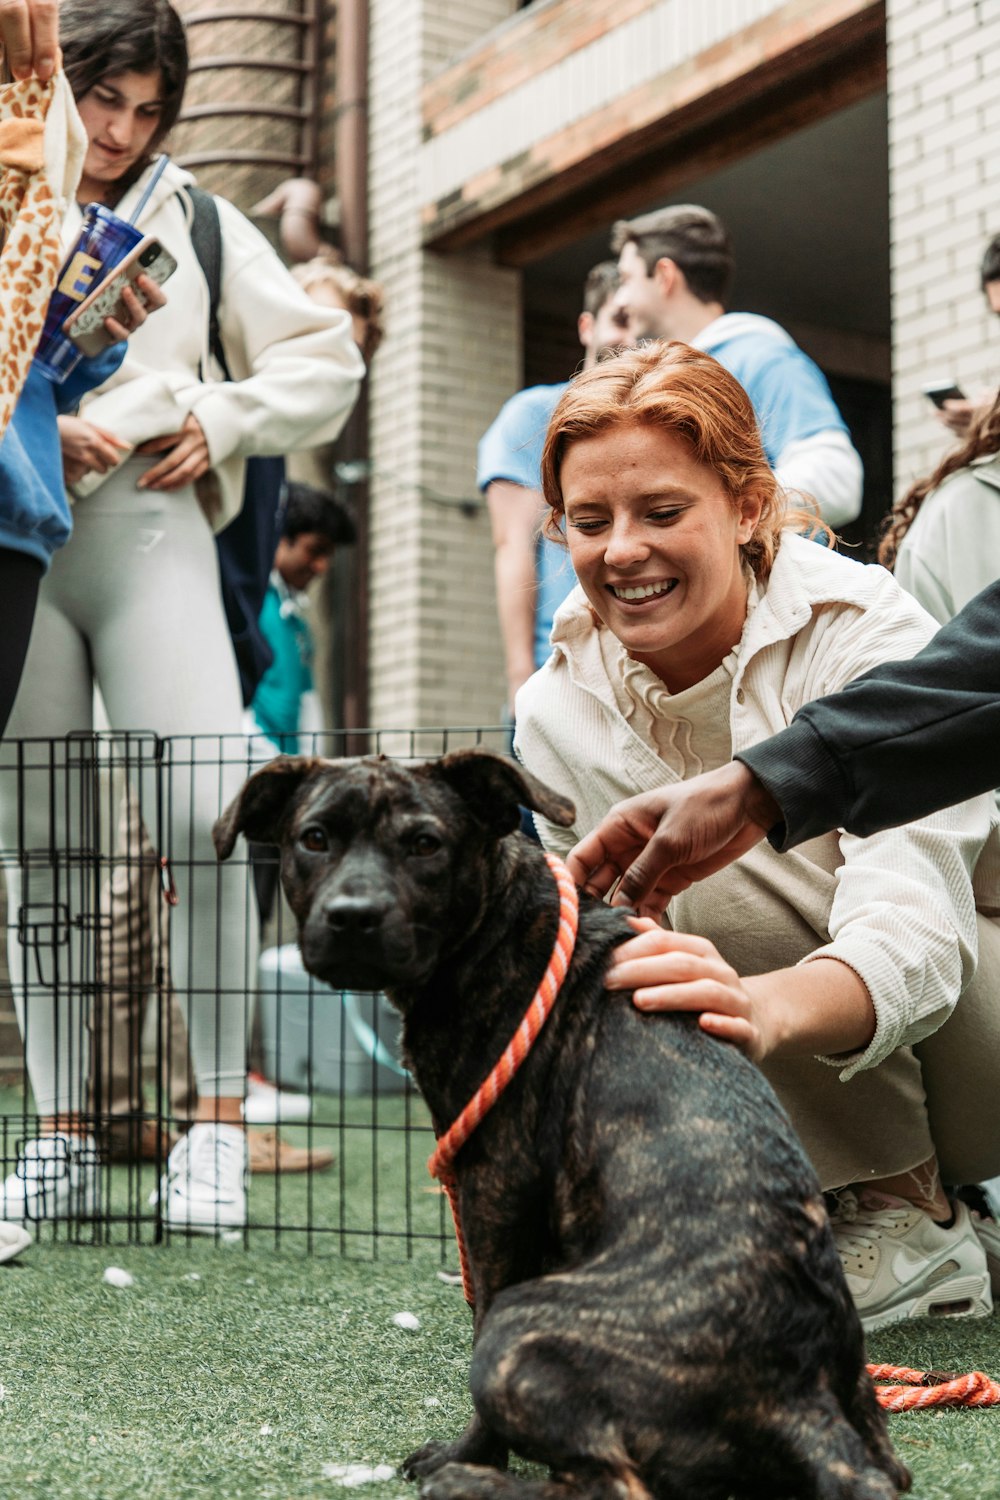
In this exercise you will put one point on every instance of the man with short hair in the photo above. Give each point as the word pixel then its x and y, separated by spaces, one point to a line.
pixel 533 574
pixel 676 267
pixel 959 414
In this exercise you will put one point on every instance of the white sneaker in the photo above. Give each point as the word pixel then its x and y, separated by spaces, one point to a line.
pixel 900 1264
pixel 13 1239
pixel 267 1105
pixel 988 1232
pixel 205 1185
pixel 55 1178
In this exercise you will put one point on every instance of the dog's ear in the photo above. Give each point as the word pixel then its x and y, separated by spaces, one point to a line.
pixel 260 806
pixel 494 786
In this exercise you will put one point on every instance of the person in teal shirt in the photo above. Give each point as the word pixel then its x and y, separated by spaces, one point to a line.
pixel 314 523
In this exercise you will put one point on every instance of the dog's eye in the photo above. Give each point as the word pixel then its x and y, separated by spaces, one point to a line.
pixel 425 844
pixel 313 839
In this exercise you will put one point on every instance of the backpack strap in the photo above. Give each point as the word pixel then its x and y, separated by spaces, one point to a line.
pixel 206 241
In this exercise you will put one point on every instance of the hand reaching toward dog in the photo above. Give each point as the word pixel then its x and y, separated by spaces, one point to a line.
pixel 661 842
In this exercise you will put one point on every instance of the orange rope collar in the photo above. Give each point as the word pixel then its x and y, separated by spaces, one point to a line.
pixel 920 1388
pixel 489 1091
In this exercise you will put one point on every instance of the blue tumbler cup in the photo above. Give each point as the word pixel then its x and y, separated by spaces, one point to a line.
pixel 104 240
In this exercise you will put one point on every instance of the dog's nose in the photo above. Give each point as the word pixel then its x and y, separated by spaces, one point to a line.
pixel 351 916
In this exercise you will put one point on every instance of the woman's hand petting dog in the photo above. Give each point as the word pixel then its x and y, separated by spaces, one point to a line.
pixel 678 971
pixel 821 1007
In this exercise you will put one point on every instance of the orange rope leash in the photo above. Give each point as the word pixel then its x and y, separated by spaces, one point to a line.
pixel 517 1049
pixel 916 1389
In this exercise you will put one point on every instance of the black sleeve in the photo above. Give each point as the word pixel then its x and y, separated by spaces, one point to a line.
pixel 907 738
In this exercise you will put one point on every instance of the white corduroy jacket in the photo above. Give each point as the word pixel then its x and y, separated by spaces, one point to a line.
pixel 904 915
pixel 296 370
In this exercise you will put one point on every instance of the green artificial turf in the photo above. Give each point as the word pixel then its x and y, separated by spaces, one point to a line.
pixel 242 1370
pixel 218 1373
pixel 226 1374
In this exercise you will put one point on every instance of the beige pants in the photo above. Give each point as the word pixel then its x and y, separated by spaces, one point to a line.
pixel 942 1096
pixel 131 971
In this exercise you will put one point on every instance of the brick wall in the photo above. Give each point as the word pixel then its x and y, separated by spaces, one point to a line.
pixel 944 156
pixel 451 358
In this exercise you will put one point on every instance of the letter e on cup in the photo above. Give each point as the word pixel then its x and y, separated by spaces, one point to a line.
pixel 79 275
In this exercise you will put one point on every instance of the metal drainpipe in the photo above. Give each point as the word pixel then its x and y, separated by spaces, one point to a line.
pixel 351 146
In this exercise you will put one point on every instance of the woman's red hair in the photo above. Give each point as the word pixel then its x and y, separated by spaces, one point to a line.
pixel 686 392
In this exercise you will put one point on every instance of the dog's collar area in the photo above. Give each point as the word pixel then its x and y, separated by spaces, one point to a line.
pixel 514 1054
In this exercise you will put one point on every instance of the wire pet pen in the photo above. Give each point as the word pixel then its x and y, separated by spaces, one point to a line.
pixel 108 887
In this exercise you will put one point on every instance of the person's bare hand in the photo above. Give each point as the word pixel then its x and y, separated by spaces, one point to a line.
pixel 29 31
pixel 677 971
pixel 135 307
pixel 659 843
pixel 186 458
pixel 958 416
pixel 87 448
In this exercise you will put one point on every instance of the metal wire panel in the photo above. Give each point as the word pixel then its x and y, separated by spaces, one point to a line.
pixel 102 835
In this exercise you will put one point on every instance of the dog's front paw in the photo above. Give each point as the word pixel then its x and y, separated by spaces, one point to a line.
pixel 456 1481
pixel 425 1459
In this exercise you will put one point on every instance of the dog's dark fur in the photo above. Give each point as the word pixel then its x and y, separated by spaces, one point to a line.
pixel 659 1306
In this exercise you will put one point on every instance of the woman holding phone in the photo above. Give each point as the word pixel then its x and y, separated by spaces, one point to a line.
pixel 847 968
pixel 155 462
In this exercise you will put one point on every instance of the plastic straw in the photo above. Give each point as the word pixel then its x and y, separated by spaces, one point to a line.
pixel 161 162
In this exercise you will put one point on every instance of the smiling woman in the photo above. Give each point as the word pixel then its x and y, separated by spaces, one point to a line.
pixel 655 543
pixel 701 624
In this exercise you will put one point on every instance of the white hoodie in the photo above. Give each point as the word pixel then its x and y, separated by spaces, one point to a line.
pixel 296 370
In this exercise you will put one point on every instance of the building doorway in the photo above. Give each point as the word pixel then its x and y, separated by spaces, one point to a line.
pixel 809 217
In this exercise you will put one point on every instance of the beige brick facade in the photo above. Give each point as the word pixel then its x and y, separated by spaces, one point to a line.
pixel 452 356
pixel 944 144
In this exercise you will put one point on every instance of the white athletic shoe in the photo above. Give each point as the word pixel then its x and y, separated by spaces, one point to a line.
pixel 55 1178
pixel 267 1105
pixel 988 1232
pixel 13 1239
pixel 900 1264
pixel 205 1185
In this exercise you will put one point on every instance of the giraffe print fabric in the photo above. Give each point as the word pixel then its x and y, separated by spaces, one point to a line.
pixel 42 145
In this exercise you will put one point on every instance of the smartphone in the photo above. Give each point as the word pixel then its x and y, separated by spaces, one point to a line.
pixel 85 324
pixel 940 391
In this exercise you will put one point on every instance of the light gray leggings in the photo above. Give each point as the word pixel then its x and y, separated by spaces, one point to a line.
pixel 133 604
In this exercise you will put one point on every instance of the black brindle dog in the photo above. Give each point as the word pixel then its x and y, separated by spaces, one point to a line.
pixel 659 1306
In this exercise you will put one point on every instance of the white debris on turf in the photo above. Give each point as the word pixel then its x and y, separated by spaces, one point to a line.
pixel 265 1429
pixel 192 1276
pixel 115 1276
pixel 406 1320
pixel 352 1475
pixel 431 1401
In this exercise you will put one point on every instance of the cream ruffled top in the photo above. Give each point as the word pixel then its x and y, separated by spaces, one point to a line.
pixel 690 730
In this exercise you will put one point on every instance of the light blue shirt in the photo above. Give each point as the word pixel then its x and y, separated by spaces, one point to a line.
pixel 512 449
pixel 788 391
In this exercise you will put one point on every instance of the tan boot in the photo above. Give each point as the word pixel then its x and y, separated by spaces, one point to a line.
pixel 269 1153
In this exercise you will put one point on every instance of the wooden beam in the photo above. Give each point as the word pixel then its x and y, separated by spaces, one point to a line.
pixel 548 208
pixel 691 156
